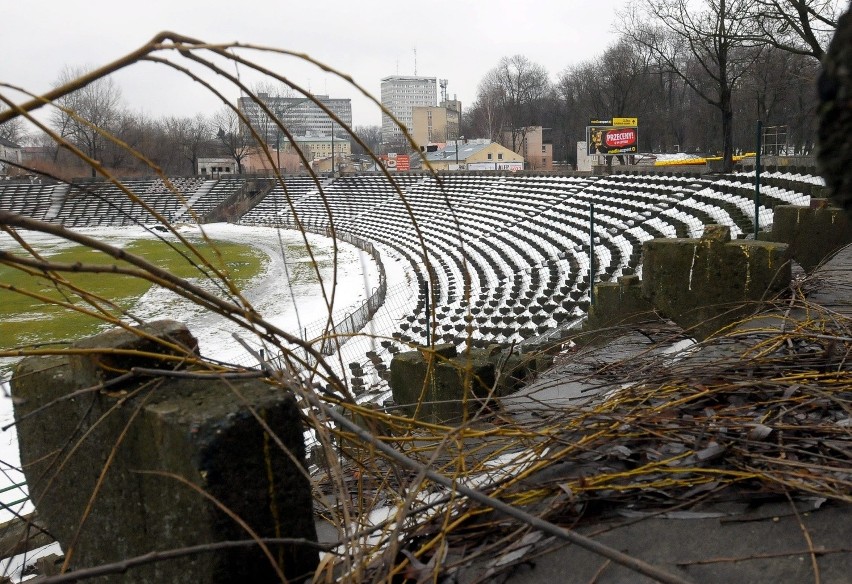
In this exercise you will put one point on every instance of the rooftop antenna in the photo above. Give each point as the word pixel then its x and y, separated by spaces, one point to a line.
pixel 415 61
pixel 443 83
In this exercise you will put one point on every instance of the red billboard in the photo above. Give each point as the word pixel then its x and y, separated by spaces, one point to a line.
pixel 394 161
pixel 612 136
pixel 611 141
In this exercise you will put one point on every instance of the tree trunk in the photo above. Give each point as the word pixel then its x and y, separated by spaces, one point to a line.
pixel 727 132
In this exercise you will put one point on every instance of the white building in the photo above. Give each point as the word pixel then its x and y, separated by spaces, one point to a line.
pixel 10 152
pixel 217 166
pixel 299 115
pixel 401 94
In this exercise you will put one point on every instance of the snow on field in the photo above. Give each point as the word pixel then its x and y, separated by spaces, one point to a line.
pixel 289 306
pixel 676 156
pixel 292 307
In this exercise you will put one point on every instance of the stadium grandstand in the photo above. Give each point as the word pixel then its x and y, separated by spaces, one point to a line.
pixel 499 258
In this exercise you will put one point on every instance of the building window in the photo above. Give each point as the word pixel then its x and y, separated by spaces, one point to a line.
pixel 489 156
pixel 500 156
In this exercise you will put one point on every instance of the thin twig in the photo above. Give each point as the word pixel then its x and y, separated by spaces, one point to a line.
pixel 766 556
pixel 807 536
pixel 123 566
pixel 514 512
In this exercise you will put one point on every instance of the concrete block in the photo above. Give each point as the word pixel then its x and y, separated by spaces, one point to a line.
pixel 812 233
pixel 706 284
pixel 438 388
pixel 618 303
pixel 165 439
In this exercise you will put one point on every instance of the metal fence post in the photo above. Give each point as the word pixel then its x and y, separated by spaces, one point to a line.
pixel 757 179
pixel 591 254
pixel 428 323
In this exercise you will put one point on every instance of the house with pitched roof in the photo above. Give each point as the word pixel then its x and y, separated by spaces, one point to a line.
pixel 475 155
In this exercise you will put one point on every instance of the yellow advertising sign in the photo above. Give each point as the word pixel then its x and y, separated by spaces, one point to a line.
pixel 625 122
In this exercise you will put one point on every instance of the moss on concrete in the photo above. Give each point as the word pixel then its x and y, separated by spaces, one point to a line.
pixel 202 431
pixel 706 284
pixel 812 233
pixel 442 386
pixel 437 388
pixel 616 304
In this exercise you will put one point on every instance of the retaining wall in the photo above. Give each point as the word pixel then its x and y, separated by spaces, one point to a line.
pixel 705 284
pixel 812 233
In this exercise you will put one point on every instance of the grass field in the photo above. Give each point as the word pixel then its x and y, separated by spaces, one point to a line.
pixel 28 321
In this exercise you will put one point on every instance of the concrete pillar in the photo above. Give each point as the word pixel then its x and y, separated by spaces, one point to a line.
pixel 165 440
pixel 813 233
pixel 617 304
pixel 705 284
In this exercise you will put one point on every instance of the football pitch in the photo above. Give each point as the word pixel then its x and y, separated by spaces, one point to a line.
pixel 35 310
pixel 271 268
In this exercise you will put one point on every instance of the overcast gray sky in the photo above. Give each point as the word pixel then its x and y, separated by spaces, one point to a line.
pixel 456 40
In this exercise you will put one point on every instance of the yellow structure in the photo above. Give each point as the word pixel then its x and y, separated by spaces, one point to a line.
pixel 318 146
pixel 435 125
pixel 475 155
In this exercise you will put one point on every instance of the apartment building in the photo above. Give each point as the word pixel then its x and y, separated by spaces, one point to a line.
pixel 534 143
pixel 401 94
pixel 299 115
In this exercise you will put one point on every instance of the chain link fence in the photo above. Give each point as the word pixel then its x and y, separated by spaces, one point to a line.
pixel 349 322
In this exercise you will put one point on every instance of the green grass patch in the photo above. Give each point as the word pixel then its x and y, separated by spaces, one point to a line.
pixel 27 321
pixel 301 268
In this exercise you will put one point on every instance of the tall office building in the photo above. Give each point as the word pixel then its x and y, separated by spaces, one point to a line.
pixel 401 94
pixel 301 116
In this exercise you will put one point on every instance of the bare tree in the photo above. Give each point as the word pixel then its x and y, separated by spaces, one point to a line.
pixel 702 43
pixel 517 87
pixel 14 131
pixel 803 27
pixel 85 114
pixel 486 117
pixel 370 135
pixel 624 81
pixel 189 136
pixel 232 136
pixel 779 90
pixel 617 80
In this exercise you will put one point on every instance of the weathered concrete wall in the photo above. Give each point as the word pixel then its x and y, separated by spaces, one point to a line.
pixel 444 387
pixel 434 386
pixel 163 439
pixel 706 284
pixel 812 233
pixel 616 304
